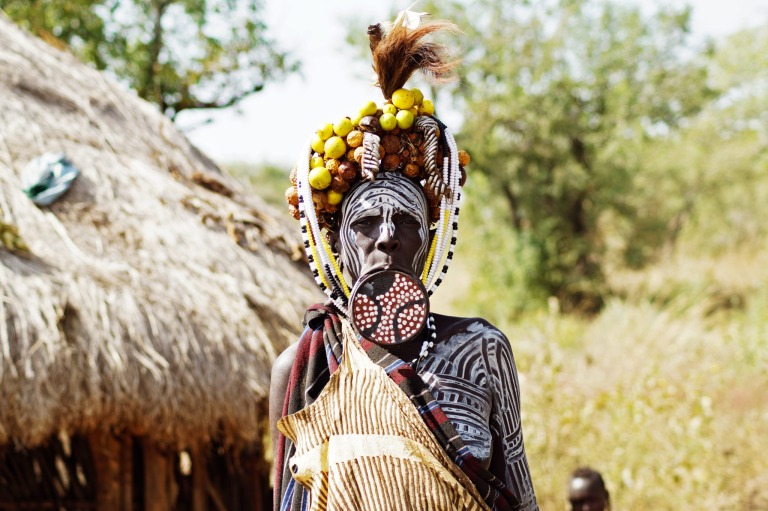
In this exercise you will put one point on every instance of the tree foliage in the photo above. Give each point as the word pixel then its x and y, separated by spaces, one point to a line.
pixel 177 54
pixel 559 99
pixel 711 178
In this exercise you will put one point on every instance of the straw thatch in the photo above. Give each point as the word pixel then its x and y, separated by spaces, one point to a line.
pixel 156 293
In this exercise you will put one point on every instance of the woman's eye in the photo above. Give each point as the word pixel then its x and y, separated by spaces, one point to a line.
pixel 407 220
pixel 362 222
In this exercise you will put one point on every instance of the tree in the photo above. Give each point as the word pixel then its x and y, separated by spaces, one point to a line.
pixel 177 54
pixel 711 179
pixel 559 97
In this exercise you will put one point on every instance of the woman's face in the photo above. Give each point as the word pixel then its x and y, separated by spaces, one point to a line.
pixel 384 226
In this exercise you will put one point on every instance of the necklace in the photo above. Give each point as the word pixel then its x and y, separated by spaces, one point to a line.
pixel 428 343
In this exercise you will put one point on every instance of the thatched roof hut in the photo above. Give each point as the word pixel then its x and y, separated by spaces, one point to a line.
pixel 155 294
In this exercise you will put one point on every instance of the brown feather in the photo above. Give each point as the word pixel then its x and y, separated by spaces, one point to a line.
pixel 375 33
pixel 401 52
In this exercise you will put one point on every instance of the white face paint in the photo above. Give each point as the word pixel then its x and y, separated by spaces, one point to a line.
pixel 384 225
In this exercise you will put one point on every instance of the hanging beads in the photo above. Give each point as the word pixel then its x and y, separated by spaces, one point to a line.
pixel 427 345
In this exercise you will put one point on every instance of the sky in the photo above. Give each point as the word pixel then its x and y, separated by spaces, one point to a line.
pixel 273 125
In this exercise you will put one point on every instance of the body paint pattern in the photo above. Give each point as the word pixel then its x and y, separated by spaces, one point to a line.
pixel 473 376
pixel 391 193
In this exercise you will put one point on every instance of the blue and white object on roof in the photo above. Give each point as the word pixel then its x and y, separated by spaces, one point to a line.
pixel 47 177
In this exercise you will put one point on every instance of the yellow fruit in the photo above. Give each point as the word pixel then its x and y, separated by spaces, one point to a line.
pixel 325 132
pixel 389 108
pixel 335 147
pixel 343 127
pixel 368 109
pixel 334 197
pixel 414 110
pixel 356 119
pixel 319 178
pixel 403 99
pixel 426 107
pixel 318 144
pixel 387 122
pixel 404 119
pixel 317 161
pixel 418 96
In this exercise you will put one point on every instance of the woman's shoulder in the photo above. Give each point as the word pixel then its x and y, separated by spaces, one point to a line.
pixel 473 328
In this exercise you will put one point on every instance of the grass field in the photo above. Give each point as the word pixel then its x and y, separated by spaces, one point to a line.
pixel 665 392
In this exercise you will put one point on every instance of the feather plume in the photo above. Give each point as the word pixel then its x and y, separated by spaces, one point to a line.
pixel 402 51
pixel 375 33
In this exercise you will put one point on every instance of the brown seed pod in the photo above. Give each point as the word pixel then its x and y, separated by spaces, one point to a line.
pixel 354 139
pixel 339 184
pixel 382 152
pixel 292 196
pixel 294 211
pixel 411 170
pixel 350 156
pixel 391 162
pixel 348 170
pixel 419 160
pixel 463 178
pixel 293 176
pixel 359 152
pixel 391 144
pixel 370 124
pixel 332 164
pixel 463 158
pixel 320 199
pixel 405 154
pixel 434 211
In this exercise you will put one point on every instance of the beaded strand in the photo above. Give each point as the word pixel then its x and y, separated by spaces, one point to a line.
pixel 431 254
pixel 320 260
pixel 428 343
pixel 455 177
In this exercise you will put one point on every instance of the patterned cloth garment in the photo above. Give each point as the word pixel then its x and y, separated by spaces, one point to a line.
pixel 362 445
pixel 318 356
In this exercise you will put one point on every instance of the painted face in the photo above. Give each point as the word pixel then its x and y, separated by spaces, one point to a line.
pixel 384 225
pixel 585 495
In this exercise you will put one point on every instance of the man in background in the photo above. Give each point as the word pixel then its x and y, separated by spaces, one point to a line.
pixel 587 491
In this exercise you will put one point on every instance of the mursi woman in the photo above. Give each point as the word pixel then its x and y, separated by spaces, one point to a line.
pixel 383 404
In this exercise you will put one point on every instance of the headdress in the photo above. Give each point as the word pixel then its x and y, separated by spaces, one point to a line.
pixel 402 136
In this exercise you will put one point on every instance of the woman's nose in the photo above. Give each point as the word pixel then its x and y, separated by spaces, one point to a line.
pixel 387 241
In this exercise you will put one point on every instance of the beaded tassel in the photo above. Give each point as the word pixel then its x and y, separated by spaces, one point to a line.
pixel 428 343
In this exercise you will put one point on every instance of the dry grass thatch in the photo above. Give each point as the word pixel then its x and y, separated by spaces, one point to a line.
pixel 156 293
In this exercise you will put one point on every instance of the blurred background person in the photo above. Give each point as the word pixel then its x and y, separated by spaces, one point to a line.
pixel 587 491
